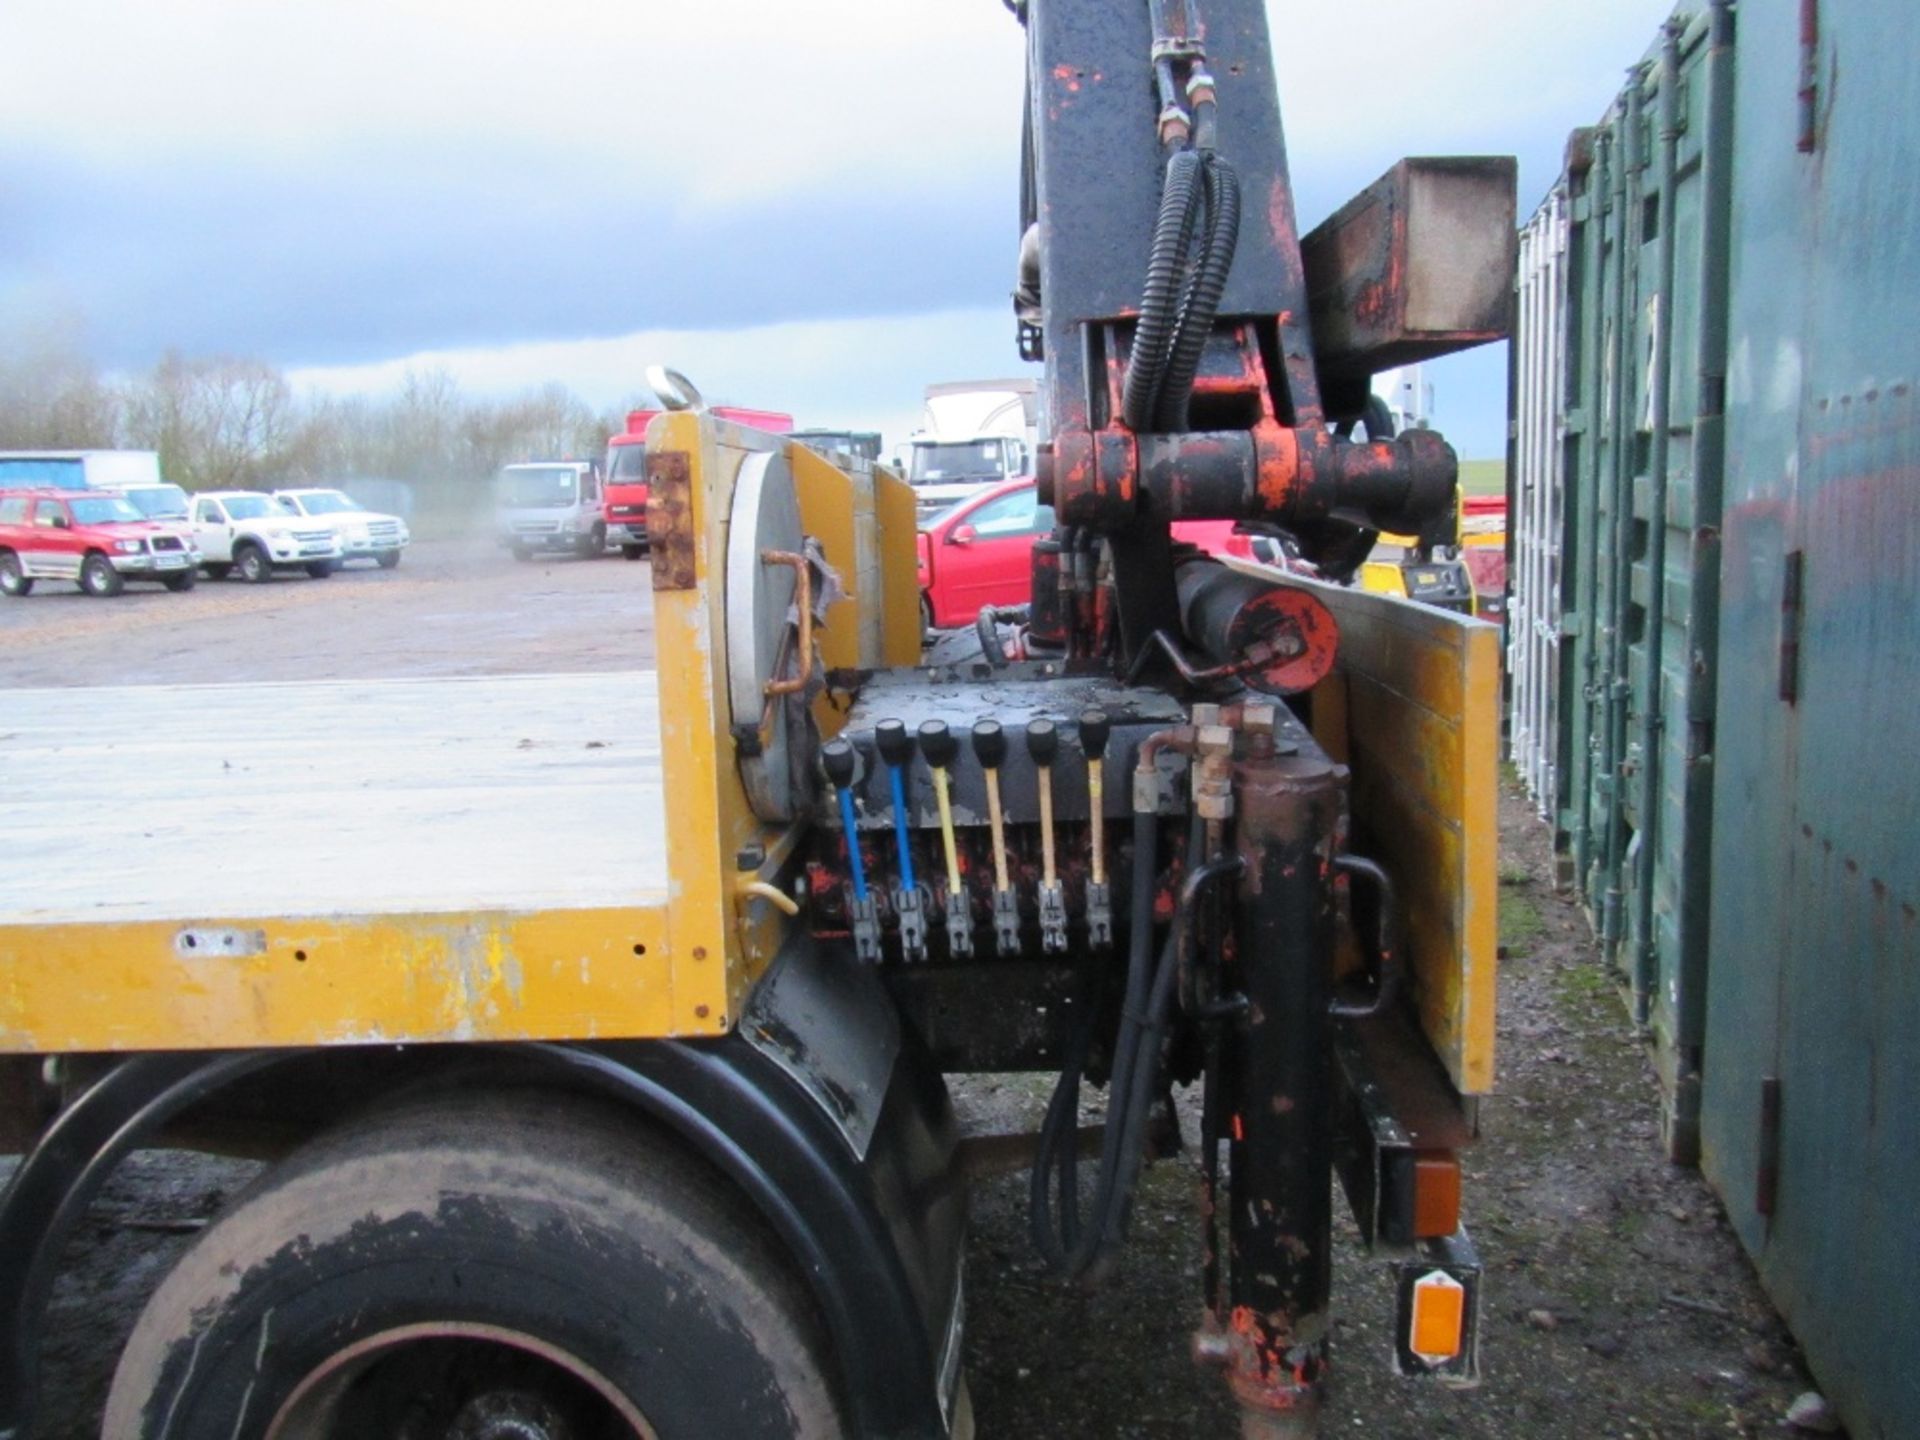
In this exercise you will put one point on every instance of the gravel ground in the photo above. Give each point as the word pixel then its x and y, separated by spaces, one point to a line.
pixel 1617 1304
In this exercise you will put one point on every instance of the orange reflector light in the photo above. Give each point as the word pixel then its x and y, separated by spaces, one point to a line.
pixel 1436 1195
pixel 1439 1317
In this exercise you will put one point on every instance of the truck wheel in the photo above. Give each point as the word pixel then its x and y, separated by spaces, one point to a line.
pixel 14 579
pixel 185 580
pixel 252 563
pixel 521 552
pixel 387 559
pixel 217 569
pixel 632 552
pixel 513 1264
pixel 98 577
pixel 594 543
pixel 321 569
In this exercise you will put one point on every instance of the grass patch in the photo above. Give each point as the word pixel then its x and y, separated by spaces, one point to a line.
pixel 1483 477
pixel 1520 921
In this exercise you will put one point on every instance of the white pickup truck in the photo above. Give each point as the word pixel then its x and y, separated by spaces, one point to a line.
pixel 364 534
pixel 248 532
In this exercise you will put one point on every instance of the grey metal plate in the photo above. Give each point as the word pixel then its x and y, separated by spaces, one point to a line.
pixel 765 516
pixel 325 798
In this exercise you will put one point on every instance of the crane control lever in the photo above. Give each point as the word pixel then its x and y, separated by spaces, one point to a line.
pixel 940 748
pixel 990 748
pixel 1043 742
pixel 890 738
pixel 838 759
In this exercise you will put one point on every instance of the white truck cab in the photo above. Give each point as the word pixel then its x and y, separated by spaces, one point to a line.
pixel 551 505
pixel 251 533
pixel 364 534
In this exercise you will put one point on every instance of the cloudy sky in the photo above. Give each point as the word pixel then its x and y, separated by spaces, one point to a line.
pixel 804 204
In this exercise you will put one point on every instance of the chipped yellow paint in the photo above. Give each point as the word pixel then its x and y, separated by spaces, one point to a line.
pixel 479 975
pixel 1413 709
pixel 898 525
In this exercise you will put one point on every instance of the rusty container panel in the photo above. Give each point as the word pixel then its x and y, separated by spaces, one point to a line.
pixel 1813 1034
pixel 1417 265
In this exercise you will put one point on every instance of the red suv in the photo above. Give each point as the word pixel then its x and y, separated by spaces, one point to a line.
pixel 979 551
pixel 94 538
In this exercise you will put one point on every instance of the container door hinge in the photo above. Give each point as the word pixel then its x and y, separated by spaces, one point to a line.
pixel 1792 606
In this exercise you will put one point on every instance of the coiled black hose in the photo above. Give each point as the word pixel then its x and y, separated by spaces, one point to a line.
pixel 1202 300
pixel 1180 198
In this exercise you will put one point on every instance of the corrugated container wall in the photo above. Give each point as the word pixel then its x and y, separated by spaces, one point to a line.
pixel 1612 672
pixel 1721 481
pixel 1812 1104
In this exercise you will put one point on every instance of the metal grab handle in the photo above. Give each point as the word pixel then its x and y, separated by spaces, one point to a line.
pixel 803 597
pixel 1386 953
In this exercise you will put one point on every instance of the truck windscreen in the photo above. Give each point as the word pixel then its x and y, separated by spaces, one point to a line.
pixel 548 488
pixel 971 460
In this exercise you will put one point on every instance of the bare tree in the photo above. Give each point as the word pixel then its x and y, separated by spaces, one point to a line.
pixel 51 395
pixel 218 422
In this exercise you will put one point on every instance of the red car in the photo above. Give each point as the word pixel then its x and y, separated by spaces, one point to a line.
pixel 94 538
pixel 980 551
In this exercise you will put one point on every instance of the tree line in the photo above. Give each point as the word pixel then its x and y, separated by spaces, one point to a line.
pixel 227 422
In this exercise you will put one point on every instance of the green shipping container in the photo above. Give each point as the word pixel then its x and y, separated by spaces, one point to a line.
pixel 1715 629
pixel 1622 306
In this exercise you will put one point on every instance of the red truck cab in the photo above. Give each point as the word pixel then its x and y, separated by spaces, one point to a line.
pixel 626 485
pixel 94 538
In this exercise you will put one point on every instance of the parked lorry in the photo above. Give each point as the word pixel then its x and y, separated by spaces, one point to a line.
pixel 550 505
pixel 97 541
pixel 626 505
pixel 604 1084
pixel 973 434
pixel 79 469
pixel 247 533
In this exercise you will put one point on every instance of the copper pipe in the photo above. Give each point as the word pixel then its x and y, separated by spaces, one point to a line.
pixel 803 598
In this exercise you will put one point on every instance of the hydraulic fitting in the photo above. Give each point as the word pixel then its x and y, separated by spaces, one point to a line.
pixel 1042 744
pixel 990 748
pixel 939 746
pixel 838 759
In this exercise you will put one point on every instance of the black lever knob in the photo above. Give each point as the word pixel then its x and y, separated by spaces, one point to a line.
pixel 893 742
pixel 1094 730
pixel 989 743
pixel 837 757
pixel 937 743
pixel 1042 741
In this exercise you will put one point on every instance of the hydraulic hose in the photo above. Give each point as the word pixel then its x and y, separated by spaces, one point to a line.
pixel 1221 190
pixel 1180 198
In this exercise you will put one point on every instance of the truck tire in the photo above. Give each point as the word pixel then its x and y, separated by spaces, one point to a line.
pixel 251 562
pixel 321 569
pixel 632 552
pixel 98 577
pixel 387 559
pixel 14 579
pixel 594 543
pixel 512 1263
pixel 521 552
pixel 185 580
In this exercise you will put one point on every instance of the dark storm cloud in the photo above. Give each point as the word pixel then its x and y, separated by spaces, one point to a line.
pixel 366 255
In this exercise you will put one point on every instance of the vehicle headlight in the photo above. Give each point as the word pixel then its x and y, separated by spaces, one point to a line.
pixel 130 547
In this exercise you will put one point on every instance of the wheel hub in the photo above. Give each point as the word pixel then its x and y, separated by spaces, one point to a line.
pixel 509 1415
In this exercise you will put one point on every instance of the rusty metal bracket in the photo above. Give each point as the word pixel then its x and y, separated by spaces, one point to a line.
pixel 670 519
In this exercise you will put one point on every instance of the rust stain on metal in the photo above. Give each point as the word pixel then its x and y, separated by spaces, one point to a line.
pixel 670 519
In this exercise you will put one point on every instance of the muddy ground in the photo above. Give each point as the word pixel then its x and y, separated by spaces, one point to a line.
pixel 1617 1303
